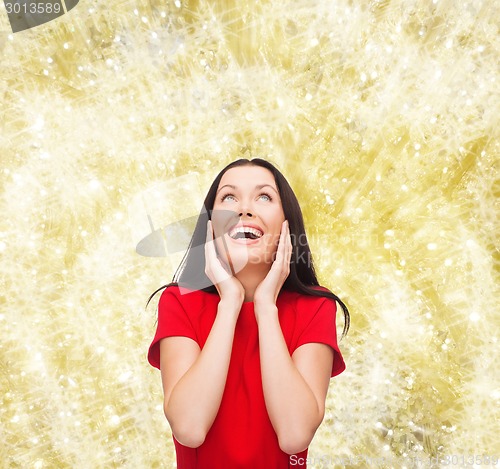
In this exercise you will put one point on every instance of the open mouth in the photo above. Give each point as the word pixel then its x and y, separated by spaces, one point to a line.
pixel 245 232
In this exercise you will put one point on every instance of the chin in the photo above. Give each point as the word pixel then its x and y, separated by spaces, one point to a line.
pixel 262 258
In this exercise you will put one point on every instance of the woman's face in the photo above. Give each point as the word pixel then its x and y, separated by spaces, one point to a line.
pixel 247 195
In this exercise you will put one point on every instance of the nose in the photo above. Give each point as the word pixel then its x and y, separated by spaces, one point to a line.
pixel 245 209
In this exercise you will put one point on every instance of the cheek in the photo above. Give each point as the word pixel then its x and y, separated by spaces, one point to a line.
pixel 272 241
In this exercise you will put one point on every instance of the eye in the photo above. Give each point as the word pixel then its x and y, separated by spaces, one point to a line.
pixel 225 196
pixel 264 194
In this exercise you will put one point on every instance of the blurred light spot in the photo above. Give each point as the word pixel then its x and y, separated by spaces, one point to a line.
pixel 474 316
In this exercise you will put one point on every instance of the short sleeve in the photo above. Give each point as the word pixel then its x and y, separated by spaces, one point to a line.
pixel 322 328
pixel 172 321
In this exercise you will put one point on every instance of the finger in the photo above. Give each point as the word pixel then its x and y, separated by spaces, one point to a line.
pixel 285 240
pixel 284 249
pixel 212 251
pixel 207 244
pixel 281 245
pixel 289 244
pixel 209 231
pixel 210 254
pixel 218 268
pixel 209 236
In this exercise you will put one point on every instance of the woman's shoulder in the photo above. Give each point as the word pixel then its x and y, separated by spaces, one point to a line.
pixel 305 300
pixel 187 297
pixel 318 288
pixel 299 309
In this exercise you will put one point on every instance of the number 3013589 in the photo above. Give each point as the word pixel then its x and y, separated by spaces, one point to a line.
pixel 33 7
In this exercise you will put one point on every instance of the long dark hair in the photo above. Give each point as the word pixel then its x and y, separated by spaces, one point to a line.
pixel 302 276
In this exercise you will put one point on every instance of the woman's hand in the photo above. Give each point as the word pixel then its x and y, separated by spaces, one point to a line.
pixel 229 287
pixel 268 290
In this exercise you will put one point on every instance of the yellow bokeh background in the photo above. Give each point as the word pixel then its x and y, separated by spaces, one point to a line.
pixel 382 115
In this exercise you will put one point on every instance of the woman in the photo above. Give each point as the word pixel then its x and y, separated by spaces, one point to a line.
pixel 246 339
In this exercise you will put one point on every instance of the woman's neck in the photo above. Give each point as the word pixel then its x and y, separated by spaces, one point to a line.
pixel 250 277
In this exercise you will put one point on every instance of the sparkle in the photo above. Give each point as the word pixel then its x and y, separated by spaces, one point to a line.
pixel 474 317
pixel 94 184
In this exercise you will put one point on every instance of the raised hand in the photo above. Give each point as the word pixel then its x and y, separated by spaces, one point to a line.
pixel 229 287
pixel 268 290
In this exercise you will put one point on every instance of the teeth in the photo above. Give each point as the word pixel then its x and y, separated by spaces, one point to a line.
pixel 245 229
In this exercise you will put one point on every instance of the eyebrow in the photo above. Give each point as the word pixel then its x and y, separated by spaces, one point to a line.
pixel 260 186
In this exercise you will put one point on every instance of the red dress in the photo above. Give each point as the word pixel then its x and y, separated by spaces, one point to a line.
pixel 242 436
